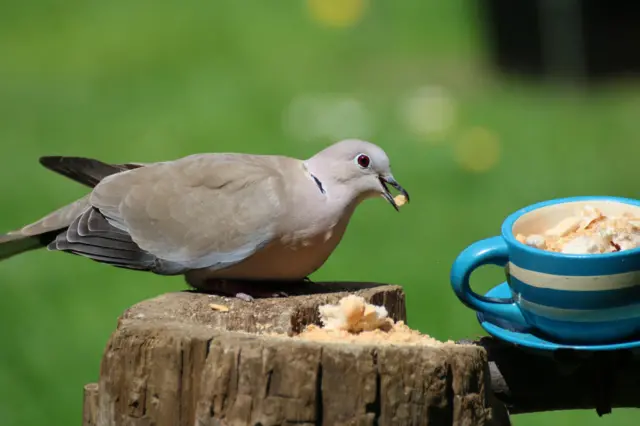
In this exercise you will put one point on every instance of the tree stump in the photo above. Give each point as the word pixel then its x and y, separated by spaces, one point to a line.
pixel 175 361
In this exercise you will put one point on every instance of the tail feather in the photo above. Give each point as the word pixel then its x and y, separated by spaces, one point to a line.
pixel 44 231
pixel 58 219
pixel 12 244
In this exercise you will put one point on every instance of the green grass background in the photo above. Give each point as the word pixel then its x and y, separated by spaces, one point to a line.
pixel 149 81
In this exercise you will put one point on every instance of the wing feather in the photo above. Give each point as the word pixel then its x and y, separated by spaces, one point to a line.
pixel 208 210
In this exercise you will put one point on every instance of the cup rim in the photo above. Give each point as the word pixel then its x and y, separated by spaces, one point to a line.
pixel 507 227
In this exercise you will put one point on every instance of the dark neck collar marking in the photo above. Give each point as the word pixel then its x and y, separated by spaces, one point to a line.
pixel 317 181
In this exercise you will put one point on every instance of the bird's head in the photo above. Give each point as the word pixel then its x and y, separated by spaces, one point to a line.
pixel 361 166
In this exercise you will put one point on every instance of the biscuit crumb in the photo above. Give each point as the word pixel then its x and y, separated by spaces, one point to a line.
pixel 400 200
pixel 353 320
pixel 221 308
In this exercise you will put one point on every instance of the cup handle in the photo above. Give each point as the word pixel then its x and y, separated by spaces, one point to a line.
pixel 484 252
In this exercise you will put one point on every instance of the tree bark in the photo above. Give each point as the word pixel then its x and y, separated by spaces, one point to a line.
pixel 174 360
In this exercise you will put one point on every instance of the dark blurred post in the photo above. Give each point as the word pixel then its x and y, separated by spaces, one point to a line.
pixel 569 40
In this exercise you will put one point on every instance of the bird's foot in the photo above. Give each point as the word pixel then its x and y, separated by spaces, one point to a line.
pixel 243 290
pixel 249 298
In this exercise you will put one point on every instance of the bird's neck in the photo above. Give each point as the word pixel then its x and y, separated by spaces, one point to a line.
pixel 319 175
pixel 337 193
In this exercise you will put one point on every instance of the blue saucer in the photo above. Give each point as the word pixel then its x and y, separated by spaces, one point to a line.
pixel 508 332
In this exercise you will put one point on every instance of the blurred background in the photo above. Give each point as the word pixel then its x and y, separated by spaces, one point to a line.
pixel 484 106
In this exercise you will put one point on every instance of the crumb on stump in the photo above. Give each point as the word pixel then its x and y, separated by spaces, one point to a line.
pixel 353 320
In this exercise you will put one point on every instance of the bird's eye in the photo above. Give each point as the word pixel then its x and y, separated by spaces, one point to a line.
pixel 363 160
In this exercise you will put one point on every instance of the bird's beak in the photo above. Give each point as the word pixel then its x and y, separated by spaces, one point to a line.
pixel 388 179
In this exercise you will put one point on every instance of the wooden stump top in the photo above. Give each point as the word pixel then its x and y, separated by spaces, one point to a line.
pixel 175 360
pixel 287 315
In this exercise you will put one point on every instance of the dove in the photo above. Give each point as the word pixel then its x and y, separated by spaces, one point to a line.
pixel 224 216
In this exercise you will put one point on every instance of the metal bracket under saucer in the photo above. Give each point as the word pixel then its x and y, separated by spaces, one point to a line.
pixel 511 333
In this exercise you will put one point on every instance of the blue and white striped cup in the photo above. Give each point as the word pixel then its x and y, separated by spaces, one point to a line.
pixel 571 298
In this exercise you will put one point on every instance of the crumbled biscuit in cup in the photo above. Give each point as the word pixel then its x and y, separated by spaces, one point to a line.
pixel 589 232
pixel 535 240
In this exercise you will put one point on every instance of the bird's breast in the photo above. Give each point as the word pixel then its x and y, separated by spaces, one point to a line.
pixel 293 256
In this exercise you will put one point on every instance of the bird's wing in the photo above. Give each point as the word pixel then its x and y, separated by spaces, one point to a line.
pixel 208 210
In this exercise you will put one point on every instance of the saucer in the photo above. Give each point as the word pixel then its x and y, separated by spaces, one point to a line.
pixel 511 333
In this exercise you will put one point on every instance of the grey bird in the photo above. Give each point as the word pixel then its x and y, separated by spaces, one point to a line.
pixel 220 216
